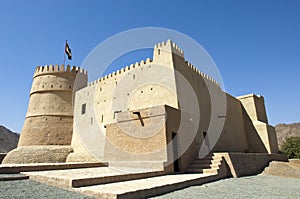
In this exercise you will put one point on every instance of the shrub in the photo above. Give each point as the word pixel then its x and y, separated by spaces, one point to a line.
pixel 291 147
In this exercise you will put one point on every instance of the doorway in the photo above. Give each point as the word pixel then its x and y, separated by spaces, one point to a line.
pixel 175 153
pixel 206 141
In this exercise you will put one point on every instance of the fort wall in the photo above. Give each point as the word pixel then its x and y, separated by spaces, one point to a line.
pixel 140 85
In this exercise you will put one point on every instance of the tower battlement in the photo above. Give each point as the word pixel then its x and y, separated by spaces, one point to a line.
pixel 50 69
pixel 169 45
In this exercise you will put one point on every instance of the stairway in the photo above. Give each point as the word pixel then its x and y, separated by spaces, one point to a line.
pixel 210 164
pixel 108 182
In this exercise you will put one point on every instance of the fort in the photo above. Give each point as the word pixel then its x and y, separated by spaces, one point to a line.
pixel 157 117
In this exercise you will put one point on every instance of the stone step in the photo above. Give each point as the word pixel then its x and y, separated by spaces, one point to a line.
pixel 210 158
pixel 199 166
pixel 17 168
pixel 9 177
pixel 210 171
pixel 87 176
pixel 194 170
pixel 201 161
pixel 148 187
pixel 215 166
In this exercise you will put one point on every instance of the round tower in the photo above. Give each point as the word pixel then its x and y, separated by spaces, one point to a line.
pixel 49 119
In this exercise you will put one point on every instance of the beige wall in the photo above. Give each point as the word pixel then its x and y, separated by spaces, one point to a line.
pixel 233 137
pixel 255 107
pixel 49 118
pixel 159 82
pixel 261 136
pixel 138 86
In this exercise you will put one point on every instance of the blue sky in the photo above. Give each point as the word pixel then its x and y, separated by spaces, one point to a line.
pixel 255 44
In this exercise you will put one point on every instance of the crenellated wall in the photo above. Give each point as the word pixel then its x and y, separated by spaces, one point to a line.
pixel 121 71
pixel 141 85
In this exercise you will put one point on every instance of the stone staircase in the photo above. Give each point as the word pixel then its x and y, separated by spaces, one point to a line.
pixel 112 182
pixel 210 164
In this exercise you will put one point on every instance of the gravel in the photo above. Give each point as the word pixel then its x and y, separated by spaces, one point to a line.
pixel 31 189
pixel 261 186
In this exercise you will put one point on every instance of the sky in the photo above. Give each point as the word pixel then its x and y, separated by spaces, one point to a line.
pixel 255 44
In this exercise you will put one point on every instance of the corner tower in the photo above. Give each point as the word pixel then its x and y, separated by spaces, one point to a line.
pixel 167 53
pixel 49 118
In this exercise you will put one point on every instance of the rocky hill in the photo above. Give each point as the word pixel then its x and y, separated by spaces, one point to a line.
pixel 8 140
pixel 284 131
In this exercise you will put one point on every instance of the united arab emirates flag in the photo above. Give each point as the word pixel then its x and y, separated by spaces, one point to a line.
pixel 68 51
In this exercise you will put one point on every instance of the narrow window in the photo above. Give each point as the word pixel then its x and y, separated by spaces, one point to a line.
pixel 102 119
pixel 83 108
pixel 133 76
pixel 158 51
pixel 91 121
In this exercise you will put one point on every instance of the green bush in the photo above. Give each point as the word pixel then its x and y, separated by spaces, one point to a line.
pixel 291 147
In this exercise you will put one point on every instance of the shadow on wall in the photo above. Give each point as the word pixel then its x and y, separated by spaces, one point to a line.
pixel 254 141
pixel 2 156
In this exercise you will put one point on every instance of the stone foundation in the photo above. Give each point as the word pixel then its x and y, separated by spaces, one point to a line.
pixel 38 154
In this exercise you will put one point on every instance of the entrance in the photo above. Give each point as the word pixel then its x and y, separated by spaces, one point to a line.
pixel 206 141
pixel 175 153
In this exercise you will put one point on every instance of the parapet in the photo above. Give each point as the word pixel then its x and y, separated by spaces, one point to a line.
pixel 50 69
pixel 205 76
pixel 170 45
pixel 120 71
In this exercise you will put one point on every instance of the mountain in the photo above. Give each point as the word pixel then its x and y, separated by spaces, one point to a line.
pixel 8 140
pixel 284 131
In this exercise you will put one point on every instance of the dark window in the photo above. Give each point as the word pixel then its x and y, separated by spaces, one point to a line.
pixel 83 108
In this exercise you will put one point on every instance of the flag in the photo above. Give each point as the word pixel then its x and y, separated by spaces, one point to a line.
pixel 68 51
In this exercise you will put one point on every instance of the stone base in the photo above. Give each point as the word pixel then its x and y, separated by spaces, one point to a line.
pixel 38 154
pixel 81 157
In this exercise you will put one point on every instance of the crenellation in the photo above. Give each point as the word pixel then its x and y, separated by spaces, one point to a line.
pixel 62 68
pixel 50 69
pixel 136 64
pixel 170 45
pixel 148 60
pixel 73 69
pixel 124 69
pixel 56 68
pixel 205 76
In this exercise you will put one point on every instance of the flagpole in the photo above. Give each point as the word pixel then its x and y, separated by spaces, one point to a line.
pixel 65 54
pixel 64 58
